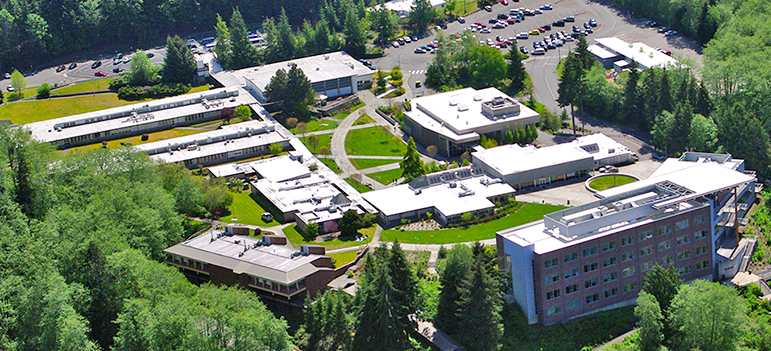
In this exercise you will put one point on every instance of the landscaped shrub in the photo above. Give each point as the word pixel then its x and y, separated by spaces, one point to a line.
pixel 129 93
pixel 43 91
pixel 166 90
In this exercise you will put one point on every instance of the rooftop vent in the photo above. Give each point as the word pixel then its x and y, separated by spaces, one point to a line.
pixel 453 102
pixel 462 107
pixel 478 97
pixel 497 101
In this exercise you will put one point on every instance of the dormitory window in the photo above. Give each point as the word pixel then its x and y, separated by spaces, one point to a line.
pixel 646 266
pixel 701 265
pixel 590 267
pixel 590 251
pixel 627 256
pixel 645 251
pixel 609 261
pixel 626 241
pixel 700 219
pixel 551 295
pixel 550 263
pixel 645 235
pixel 552 278
pixel 571 273
pixel 571 257
pixel 553 310
pixel 590 283
pixel 630 287
pixel 628 272
pixel 680 225
pixel 700 234
pixel 608 246
pixel 683 240
pixel 665 261
pixel 663 230
pixel 610 277
pixel 573 304
pixel 684 255
pixel 592 298
pixel 684 270
pixel 611 292
pixel 571 289
pixel 665 245
pixel 701 249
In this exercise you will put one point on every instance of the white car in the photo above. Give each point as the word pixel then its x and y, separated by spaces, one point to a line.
pixel 9 88
pixel 127 59
pixel 395 44
pixel 7 75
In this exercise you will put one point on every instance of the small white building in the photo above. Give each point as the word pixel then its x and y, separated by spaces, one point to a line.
pixel 645 56
pixel 404 7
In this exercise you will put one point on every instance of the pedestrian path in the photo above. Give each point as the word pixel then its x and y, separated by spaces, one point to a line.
pixel 417 71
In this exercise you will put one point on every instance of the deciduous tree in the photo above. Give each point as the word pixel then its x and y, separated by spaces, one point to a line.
pixel 650 322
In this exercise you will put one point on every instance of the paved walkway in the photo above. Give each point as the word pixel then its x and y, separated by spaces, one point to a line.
pixel 441 340
pixel 617 340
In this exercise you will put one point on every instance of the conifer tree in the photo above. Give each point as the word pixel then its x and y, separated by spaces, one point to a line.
pixel 479 315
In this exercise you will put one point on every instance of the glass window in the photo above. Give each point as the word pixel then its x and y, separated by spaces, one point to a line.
pixel 627 256
pixel 570 257
pixel 665 245
pixel 630 286
pixel 684 270
pixel 665 261
pixel 700 234
pixel 683 239
pixel 680 225
pixel 701 249
pixel 551 295
pixel 591 282
pixel 592 298
pixel 590 267
pixel 590 251
pixel 551 263
pixel 571 289
pixel 628 272
pixel 610 245
pixel 573 304
pixel 610 277
pixel 552 278
pixel 700 219
pixel 627 240
pixel 683 255
pixel 701 265
pixel 571 273
pixel 611 292
pixel 645 235
pixel 663 230
pixel 553 310
pixel 645 251
pixel 646 266
pixel 609 261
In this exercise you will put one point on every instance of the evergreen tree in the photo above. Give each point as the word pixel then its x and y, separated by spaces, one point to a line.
pixel 275 91
pixel 411 164
pixel 665 93
pixel 243 54
pixel 178 65
pixel 480 322
pixel 582 51
pixel 451 276
pixel 743 136
pixel 422 15
pixel 222 48
pixel 516 71
pixel 299 94
pixel 508 138
pixel 649 99
pixel 385 24
pixel 355 37
pixel 703 104
pixel 571 85
pixel 282 44
pixel 440 71
pixel 662 284
pixel 631 107
pixel 404 279
pixel 682 128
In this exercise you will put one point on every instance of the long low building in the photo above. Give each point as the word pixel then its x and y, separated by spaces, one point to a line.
pixel 266 266
pixel 229 143
pixel 333 74
pixel 455 121
pixel 612 49
pixel 447 195
pixel 523 167
pixel 594 257
pixel 144 117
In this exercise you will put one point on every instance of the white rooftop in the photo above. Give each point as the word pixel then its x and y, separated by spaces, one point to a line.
pixel 458 114
pixel 529 157
pixel 600 52
pixel 640 52
pixel 139 114
pixel 690 159
pixel 405 6
pixel 319 68
pixel 446 199
pixel 275 169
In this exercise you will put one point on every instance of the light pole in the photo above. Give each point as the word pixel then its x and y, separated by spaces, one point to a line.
pixel 382 42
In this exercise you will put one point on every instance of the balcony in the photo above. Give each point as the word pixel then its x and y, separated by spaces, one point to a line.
pixel 276 289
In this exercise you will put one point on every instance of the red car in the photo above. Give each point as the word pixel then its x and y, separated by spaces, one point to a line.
pixel 100 74
pixel 505 2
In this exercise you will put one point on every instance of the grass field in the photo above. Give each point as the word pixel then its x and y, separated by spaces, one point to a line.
pixel 344 114
pixel 297 238
pixel 608 182
pixel 386 177
pixel 136 140
pixel 324 140
pixel 85 87
pixel 40 110
pixel 358 186
pixel 246 210
pixel 374 141
pixel 527 213
pixel 331 164
pixel 322 124
pixel 362 163
pixel 343 257
pixel 363 119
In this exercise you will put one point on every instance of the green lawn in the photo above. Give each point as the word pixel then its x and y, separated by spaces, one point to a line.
pixel 386 177
pixel 527 213
pixel 39 110
pixel 322 124
pixel 608 182
pixel 199 89
pixel 247 211
pixel 358 186
pixel 297 238
pixel 136 140
pixel 343 257
pixel 374 141
pixel 84 87
pixel 364 119
pixel 331 164
pixel 362 163
pixel 344 114
pixel 324 140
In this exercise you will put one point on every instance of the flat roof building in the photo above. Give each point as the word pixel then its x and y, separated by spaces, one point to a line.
pixel 404 7
pixel 593 257
pixel 266 266
pixel 333 74
pixel 455 121
pixel 523 167
pixel 143 117
pixel 446 194
pixel 645 56
pixel 229 143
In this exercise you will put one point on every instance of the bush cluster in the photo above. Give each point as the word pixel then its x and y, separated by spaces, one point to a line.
pixel 128 92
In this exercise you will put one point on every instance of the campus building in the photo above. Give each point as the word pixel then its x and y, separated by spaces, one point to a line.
pixel 617 54
pixel 404 7
pixel 144 117
pixel 593 257
pixel 526 166
pixel 447 195
pixel 229 143
pixel 298 194
pixel 333 74
pixel 455 121
pixel 266 266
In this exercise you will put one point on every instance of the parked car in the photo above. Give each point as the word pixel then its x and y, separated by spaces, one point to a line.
pixel 559 23
pixel 485 30
pixel 72 65
pixel 671 33
pixel 547 7
pixel 588 31
pixel 576 29
pixel 117 70
pixel 546 26
pixel 666 52
pixel 522 36
pixel 593 22
pixel 96 64
pixel 658 156
pixel 7 75
pixel 100 74
pixel 534 32
pixel 419 51
pixel 395 44
pixel 127 59
pixel 489 8
pixel 60 68
pixel 503 16
pixel 505 2
pixel 9 87
pixel 414 38
pixel 150 55
pixel 635 157
pixel 417 84
pixel 663 30
pixel 523 50
pixel 267 217
pixel 587 25
pixel 537 12
pixel 443 25
pixel 118 56
pixel 539 51
pixel 569 19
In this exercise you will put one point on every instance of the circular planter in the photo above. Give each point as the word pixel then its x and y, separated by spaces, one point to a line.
pixel 603 175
